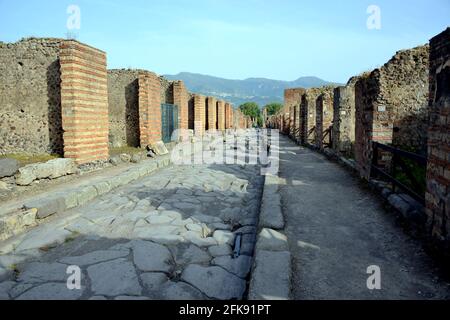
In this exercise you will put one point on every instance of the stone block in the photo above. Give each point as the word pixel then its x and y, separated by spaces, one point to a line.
pixel 8 167
pixel 271 277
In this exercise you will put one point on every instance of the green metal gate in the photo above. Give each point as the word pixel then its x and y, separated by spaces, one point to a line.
pixel 169 121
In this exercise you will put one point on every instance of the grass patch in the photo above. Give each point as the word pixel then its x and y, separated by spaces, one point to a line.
pixel 125 149
pixel 24 158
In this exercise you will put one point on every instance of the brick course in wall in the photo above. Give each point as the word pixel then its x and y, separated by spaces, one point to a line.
pixel 438 171
pixel 391 106
pixel 84 102
pixel 199 114
pixel 149 108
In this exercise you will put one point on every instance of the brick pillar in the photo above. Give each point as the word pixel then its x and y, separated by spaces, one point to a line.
pixel 221 115
pixel 212 113
pixel 84 102
pixel 181 99
pixel 232 117
pixel 227 115
pixel 344 120
pixel 438 169
pixel 199 114
pixel 324 119
pixel 149 108
pixel 308 115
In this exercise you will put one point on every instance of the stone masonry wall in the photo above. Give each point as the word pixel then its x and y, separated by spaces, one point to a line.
pixel 123 98
pixel 391 105
pixel 84 102
pixel 30 97
pixel 149 108
pixel 344 120
pixel 438 171
pixel 324 117
pixel 167 94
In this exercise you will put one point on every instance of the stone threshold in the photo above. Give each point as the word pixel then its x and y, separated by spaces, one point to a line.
pixel 20 215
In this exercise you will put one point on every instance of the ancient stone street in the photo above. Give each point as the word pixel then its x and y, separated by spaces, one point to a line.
pixel 167 236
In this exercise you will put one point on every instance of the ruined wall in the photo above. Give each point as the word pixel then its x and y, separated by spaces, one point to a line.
pixel 308 115
pixel 30 97
pixel 149 108
pixel 84 102
pixel 343 133
pixel 391 105
pixel 438 171
pixel 238 119
pixel 167 94
pixel 123 91
pixel 324 117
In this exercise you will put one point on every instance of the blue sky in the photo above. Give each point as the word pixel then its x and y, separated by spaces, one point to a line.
pixel 237 39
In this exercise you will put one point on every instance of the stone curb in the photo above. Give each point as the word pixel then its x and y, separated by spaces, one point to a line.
pixel 271 271
pixel 44 206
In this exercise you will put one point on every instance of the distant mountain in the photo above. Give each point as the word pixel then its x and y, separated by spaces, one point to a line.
pixel 259 90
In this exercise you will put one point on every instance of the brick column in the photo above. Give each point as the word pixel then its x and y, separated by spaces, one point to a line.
pixel 181 99
pixel 149 108
pixel 324 119
pixel 344 120
pixel 212 113
pixel 227 115
pixel 84 102
pixel 438 169
pixel 221 115
pixel 199 114
pixel 308 115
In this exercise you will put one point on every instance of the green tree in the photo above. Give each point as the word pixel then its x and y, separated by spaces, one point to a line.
pixel 250 109
pixel 273 108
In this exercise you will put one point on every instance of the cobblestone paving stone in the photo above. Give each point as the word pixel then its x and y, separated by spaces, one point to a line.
pixel 167 236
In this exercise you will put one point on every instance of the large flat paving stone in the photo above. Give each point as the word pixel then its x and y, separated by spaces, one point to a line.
pixel 181 291
pixel 214 282
pixel 95 257
pixel 240 266
pixel 114 278
pixel 43 272
pixel 152 257
pixel 51 291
